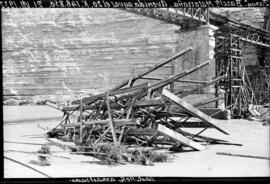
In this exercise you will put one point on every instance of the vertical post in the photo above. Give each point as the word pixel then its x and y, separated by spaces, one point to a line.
pixel 81 121
pixel 130 83
pixel 230 72
pixel 172 73
pixel 217 63
pixel 207 15
pixel 110 118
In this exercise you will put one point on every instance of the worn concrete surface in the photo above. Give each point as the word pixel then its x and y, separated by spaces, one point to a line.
pixel 12 114
pixel 49 51
pixel 252 135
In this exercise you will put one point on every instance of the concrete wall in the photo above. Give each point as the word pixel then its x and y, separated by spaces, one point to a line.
pixel 201 39
pixel 47 51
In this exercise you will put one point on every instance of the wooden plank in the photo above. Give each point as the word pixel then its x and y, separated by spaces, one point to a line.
pixel 192 81
pixel 121 122
pixel 93 106
pixel 195 124
pixel 179 138
pixel 104 106
pixel 110 118
pixel 192 110
pixel 81 122
pixel 210 139
pixel 201 87
pixel 115 92
pixel 165 82
pixel 141 131
pixel 179 80
pixel 130 89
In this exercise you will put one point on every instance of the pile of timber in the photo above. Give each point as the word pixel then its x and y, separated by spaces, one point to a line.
pixel 140 111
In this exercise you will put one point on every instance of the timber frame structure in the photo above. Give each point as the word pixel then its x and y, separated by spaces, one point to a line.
pixel 228 52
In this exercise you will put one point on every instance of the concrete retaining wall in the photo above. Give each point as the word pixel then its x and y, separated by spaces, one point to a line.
pixel 52 51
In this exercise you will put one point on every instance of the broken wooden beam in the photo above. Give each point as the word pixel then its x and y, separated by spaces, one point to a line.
pixel 178 80
pixel 179 138
pixel 194 124
pixel 203 86
pixel 111 118
pixel 141 131
pixel 102 106
pixel 81 122
pixel 133 89
pixel 192 110
pixel 165 82
pixel 120 122
pixel 192 81
pixel 210 139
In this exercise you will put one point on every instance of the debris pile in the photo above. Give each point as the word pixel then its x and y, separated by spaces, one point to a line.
pixel 143 112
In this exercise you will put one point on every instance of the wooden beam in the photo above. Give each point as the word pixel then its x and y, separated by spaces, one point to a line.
pixel 192 110
pixel 141 131
pixel 203 86
pixel 128 109
pixel 115 92
pixel 192 81
pixel 120 122
pixel 151 78
pixel 179 138
pixel 165 82
pixel 81 122
pixel 210 139
pixel 110 118
pixel 179 80
pixel 195 124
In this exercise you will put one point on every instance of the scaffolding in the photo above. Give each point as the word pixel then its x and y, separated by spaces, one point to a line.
pixel 236 86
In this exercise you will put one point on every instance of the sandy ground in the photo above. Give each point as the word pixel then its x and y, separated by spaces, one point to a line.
pixel 253 136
